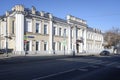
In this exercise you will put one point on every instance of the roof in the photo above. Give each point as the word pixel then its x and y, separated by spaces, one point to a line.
pixel 94 30
pixel 59 19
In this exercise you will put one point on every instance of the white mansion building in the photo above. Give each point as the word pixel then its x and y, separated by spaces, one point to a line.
pixel 23 29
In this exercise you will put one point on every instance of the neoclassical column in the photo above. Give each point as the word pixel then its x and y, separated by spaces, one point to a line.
pixel 19 32
pixel 19 20
pixel 69 40
pixel 81 37
pixel 69 35
pixel 51 35
pixel 84 38
pixel 75 38
pixel 4 24
pixel 94 46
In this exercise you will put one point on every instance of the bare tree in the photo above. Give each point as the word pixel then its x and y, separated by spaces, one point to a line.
pixel 112 37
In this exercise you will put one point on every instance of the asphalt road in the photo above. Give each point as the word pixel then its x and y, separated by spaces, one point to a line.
pixel 70 68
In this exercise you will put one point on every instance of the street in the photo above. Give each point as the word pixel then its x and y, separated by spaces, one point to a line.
pixel 66 68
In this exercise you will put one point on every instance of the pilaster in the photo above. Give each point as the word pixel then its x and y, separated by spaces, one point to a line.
pixel 19 19
pixel 82 43
pixel 75 38
pixel 69 40
pixel 84 36
pixel 94 45
pixel 50 35
pixel 5 32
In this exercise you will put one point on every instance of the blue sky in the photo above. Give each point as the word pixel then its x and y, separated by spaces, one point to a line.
pixel 101 14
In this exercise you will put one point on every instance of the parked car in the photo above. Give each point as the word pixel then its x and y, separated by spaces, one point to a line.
pixel 105 53
pixel 2 51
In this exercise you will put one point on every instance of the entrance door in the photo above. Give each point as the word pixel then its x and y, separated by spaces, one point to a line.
pixel 77 48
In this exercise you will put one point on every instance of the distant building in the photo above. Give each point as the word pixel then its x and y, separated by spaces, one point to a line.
pixel 94 40
pixel 40 32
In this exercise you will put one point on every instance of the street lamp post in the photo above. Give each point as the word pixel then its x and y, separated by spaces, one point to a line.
pixel 6 37
pixel 64 49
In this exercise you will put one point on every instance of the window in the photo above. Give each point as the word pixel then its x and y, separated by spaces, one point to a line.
pixel 13 27
pixel 77 33
pixel 53 45
pixel 27 46
pixel 37 28
pixel 54 30
pixel 37 46
pixel 64 34
pixel 89 36
pixel 28 26
pixel 59 31
pixel 45 46
pixel 72 32
pixel 45 29
pixel 59 45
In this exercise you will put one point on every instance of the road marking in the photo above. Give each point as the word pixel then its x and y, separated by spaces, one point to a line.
pixel 93 66
pixel 51 75
pixel 113 63
pixel 95 61
pixel 82 69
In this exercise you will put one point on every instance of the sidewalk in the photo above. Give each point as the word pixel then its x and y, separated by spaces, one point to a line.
pixel 14 59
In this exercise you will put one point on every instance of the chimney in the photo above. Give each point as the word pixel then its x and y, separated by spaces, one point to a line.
pixel 33 10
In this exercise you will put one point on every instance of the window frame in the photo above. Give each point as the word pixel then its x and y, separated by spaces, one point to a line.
pixel 28 25
pixel 45 46
pixel 37 28
pixel 45 29
pixel 60 31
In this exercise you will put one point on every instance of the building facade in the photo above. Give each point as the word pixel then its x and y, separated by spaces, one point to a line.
pixel 23 29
